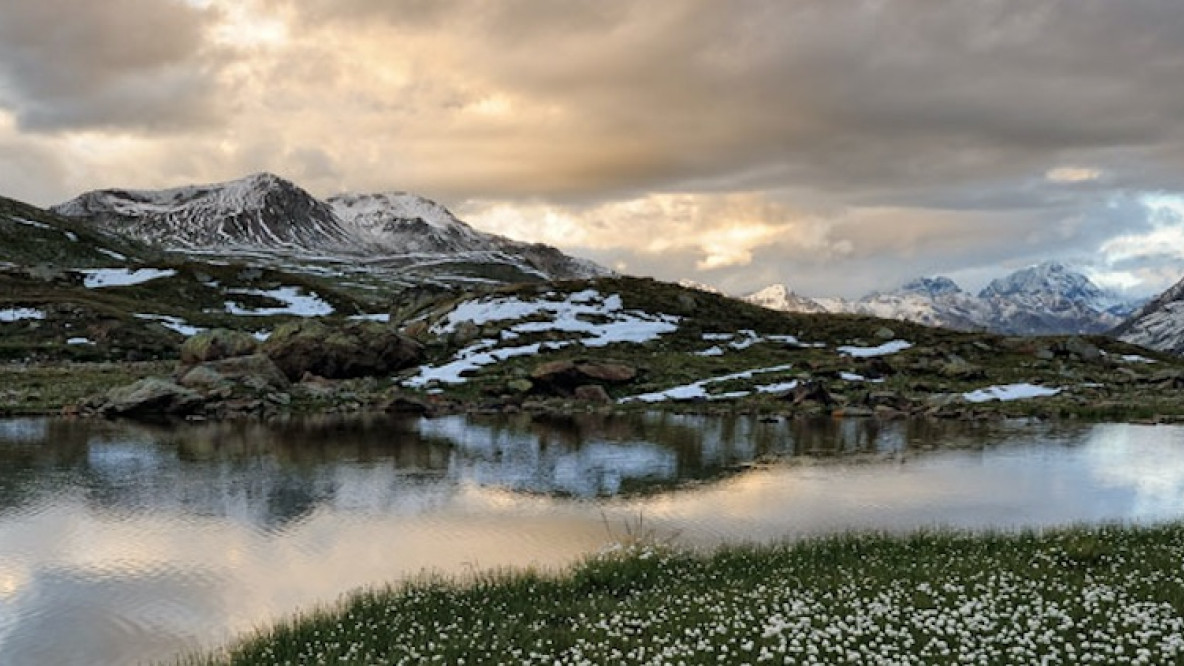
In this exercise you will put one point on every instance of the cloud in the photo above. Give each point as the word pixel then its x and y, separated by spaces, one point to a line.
pixel 847 146
pixel 119 64
pixel 1072 175
pixel 717 230
pixel 871 97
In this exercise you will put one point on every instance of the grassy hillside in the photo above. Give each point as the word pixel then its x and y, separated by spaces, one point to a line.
pixel 707 351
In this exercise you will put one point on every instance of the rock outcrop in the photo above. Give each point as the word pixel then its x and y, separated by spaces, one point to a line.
pixel 353 349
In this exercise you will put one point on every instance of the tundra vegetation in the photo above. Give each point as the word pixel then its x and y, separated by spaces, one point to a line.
pixel 1105 595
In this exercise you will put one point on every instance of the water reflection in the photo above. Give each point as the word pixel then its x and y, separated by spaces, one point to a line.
pixel 122 543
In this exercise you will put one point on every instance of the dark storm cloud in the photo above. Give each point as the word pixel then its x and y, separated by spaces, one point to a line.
pixel 127 64
pixel 856 97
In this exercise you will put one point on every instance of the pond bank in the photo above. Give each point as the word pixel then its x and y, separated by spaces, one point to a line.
pixel 1111 594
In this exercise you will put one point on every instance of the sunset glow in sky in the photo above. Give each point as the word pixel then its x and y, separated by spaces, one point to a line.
pixel 837 147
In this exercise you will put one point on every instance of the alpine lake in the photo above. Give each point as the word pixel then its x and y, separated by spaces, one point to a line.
pixel 128 543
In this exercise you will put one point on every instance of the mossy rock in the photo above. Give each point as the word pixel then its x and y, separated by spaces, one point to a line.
pixel 216 345
pixel 342 351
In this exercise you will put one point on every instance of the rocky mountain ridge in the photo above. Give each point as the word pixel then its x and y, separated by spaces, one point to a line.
pixel 265 216
pixel 1159 324
pixel 1045 299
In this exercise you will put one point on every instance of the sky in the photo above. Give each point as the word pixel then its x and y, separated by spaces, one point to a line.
pixel 836 146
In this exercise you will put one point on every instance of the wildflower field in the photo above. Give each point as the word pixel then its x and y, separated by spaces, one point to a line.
pixel 1096 595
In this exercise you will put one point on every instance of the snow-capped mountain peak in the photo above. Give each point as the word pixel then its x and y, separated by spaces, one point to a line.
pixel 932 286
pixel 1047 298
pixel 262 215
pixel 259 211
pixel 381 207
pixel 781 297
pixel 398 221
pixel 1048 280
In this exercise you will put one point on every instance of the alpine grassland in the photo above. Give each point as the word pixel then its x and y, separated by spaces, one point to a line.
pixel 1110 594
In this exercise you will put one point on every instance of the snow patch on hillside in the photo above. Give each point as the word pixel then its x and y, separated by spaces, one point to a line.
pixel 1008 392
pixel 888 348
pixel 698 390
pixel 10 315
pixel 295 303
pixel 101 278
pixel 594 320
pixel 172 323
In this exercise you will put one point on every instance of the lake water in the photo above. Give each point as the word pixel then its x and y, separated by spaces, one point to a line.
pixel 125 543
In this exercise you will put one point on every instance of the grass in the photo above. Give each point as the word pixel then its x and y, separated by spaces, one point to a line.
pixel 1110 594
pixel 45 388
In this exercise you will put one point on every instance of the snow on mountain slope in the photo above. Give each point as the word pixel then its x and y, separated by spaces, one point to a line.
pixel 264 215
pixel 1159 324
pixel 780 297
pixel 401 222
pixel 261 211
pixel 1044 299
pixel 1049 298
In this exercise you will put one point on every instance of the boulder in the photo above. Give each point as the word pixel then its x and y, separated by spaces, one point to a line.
pixel 885 333
pixel 149 396
pixel 464 333
pixel 563 377
pixel 256 371
pixel 611 373
pixel 593 393
pixel 201 377
pixel 810 391
pixel 343 351
pixel 217 344
pixel 1081 349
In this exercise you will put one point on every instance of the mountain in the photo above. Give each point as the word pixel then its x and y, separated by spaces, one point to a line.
pixel 259 212
pixel 780 297
pixel 267 217
pixel 1050 298
pixel 1045 299
pixel 1159 324
pixel 935 301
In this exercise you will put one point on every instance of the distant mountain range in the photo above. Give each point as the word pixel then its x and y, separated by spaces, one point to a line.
pixel 264 216
pixel 370 247
pixel 1045 299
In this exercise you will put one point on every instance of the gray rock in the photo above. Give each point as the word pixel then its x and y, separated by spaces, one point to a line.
pixel 201 377
pixel 343 351
pixel 1082 349
pixel 217 344
pixel 148 396
pixel 885 333
pixel 256 371
pixel 593 393
pixel 465 332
